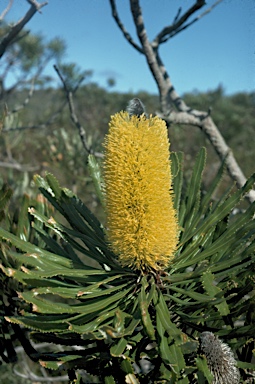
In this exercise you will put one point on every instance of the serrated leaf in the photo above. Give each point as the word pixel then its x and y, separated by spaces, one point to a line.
pixel 213 290
pixel 164 316
pixel 207 197
pixel 118 348
pixel 144 308
pixel 40 324
pixel 109 380
pixel 54 184
pixel 126 366
pixel 96 176
pixel 169 352
pixel 201 298
pixel 33 249
pixel 23 225
pixel 203 367
pixel 5 196
pixel 176 358
pixel 192 199
pixel 244 365
pixel 101 303
pixel 177 174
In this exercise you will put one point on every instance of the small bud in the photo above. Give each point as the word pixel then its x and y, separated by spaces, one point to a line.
pixel 220 359
pixel 135 107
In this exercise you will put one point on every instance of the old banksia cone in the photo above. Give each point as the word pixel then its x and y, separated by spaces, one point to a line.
pixel 220 359
pixel 142 229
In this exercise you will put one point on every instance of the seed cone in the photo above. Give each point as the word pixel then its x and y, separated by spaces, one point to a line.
pixel 220 359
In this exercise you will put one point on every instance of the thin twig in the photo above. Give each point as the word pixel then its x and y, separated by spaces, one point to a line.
pixel 6 10
pixel 38 126
pixel 127 36
pixel 16 28
pixel 19 167
pixel 164 34
pixel 31 376
pixel 177 27
pixel 25 102
pixel 73 116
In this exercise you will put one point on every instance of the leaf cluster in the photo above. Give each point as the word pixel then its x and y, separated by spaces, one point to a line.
pixel 129 326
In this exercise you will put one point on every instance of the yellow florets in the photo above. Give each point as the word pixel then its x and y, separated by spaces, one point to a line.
pixel 141 222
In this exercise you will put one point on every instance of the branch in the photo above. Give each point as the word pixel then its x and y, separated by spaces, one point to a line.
pixel 39 379
pixel 166 90
pixel 178 24
pixel 74 118
pixel 6 10
pixel 38 126
pixel 207 126
pixel 19 167
pixel 147 48
pixel 122 28
pixel 8 38
pixel 166 32
pixel 169 97
pixel 25 102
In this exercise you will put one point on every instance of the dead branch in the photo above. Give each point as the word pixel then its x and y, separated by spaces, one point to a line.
pixel 169 98
pixel 73 116
pixel 208 127
pixel 179 22
pixel 19 167
pixel 16 28
pixel 49 122
pixel 122 28
pixel 25 102
pixel 6 10
pixel 45 125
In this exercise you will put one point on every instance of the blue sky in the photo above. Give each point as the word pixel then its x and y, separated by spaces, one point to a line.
pixel 218 49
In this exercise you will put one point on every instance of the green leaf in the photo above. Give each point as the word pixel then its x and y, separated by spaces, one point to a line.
pixel 164 316
pixel 126 366
pixel 53 184
pixel 177 174
pixel 144 308
pixel 193 191
pixel 39 323
pixel 23 226
pixel 213 290
pixel 46 306
pixel 95 172
pixel 33 249
pixel 191 202
pixel 176 358
pixel 201 298
pixel 109 380
pixel 170 353
pixel 203 367
pixel 207 197
pixel 119 348
pixel 244 365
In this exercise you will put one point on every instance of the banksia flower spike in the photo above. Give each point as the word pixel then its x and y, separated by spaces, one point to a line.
pixel 220 359
pixel 142 228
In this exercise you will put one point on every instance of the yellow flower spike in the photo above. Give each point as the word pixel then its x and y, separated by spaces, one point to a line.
pixel 142 228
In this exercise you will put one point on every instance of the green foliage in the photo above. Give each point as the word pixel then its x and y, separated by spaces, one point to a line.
pixel 26 58
pixel 72 292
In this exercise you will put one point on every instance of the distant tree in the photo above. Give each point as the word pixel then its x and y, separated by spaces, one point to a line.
pixel 111 82
pixel 25 60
